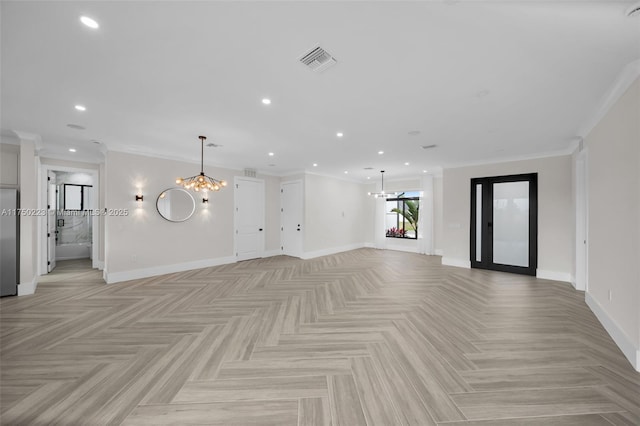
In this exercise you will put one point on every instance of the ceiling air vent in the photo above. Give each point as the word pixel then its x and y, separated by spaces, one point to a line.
pixel 318 59
pixel 250 172
pixel 429 146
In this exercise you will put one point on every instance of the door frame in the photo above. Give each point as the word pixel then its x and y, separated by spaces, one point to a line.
pixel 487 225
pixel 302 231
pixel 581 279
pixel 237 179
pixel 42 205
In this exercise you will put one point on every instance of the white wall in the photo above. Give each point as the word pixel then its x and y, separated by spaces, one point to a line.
pixel 555 214
pixel 614 221
pixel 437 215
pixel 29 164
pixel 144 244
pixel 334 210
pixel 9 166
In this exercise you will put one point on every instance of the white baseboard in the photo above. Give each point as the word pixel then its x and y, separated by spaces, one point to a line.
pixel 25 289
pixel 98 264
pixel 553 275
pixel 333 250
pixel 452 261
pixel 370 245
pixel 135 274
pixel 625 344
pixel 271 253
pixel 439 252
pixel 72 258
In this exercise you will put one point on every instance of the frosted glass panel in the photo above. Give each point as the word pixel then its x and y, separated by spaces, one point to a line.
pixel 479 223
pixel 511 223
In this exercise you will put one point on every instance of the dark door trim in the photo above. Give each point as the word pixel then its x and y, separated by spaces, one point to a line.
pixel 486 261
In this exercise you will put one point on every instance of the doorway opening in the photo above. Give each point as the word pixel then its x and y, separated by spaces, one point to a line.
pixel 504 223
pixel 71 227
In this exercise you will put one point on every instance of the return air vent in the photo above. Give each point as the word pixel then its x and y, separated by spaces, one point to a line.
pixel 368 168
pixel 250 173
pixel 318 59
pixel 429 146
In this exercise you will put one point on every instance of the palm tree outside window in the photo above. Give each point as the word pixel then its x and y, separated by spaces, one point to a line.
pixel 402 216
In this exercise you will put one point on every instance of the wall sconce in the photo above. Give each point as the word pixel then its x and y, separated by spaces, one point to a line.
pixel 205 200
pixel 139 198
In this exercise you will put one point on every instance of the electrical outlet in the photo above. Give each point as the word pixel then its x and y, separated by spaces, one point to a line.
pixel 609 295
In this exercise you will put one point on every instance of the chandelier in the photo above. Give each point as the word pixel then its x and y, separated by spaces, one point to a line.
pixel 383 194
pixel 201 182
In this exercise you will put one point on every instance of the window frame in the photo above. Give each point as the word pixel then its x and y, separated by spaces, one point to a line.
pixel 403 200
pixel 64 196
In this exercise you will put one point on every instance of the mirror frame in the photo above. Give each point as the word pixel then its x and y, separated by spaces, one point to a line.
pixel 176 189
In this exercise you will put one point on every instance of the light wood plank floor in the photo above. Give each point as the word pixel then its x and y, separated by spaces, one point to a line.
pixel 366 337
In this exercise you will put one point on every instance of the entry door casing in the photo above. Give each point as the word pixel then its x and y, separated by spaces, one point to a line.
pixel 487 198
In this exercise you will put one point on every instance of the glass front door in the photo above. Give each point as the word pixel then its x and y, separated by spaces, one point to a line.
pixel 504 223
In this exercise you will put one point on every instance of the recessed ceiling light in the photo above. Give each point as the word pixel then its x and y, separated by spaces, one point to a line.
pixel 72 150
pixel 424 171
pixel 346 172
pixel 406 164
pixel 368 177
pixel 81 107
pixel 271 154
pixel 315 164
pixel 339 134
pixel 89 22
pixel 380 152
pixel 266 101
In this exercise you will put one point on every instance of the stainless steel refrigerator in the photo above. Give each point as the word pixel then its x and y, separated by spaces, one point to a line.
pixel 9 237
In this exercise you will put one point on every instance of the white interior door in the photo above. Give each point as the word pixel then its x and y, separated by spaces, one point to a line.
pixel 291 218
pixel 52 207
pixel 249 218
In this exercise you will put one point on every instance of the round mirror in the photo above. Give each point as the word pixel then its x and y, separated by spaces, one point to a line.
pixel 175 204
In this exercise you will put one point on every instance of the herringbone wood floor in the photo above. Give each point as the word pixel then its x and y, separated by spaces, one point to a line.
pixel 364 337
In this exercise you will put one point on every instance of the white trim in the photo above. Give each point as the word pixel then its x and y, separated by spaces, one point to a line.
pixel 626 77
pixel 452 261
pixel 329 251
pixel 439 252
pixel 271 253
pixel 25 289
pixel 623 341
pixel 553 275
pixel 135 274
pixel 99 264
pixel 370 245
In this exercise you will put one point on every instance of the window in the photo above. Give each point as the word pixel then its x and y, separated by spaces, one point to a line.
pixel 76 197
pixel 402 216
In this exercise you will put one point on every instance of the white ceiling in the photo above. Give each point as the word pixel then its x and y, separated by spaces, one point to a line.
pixel 482 80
